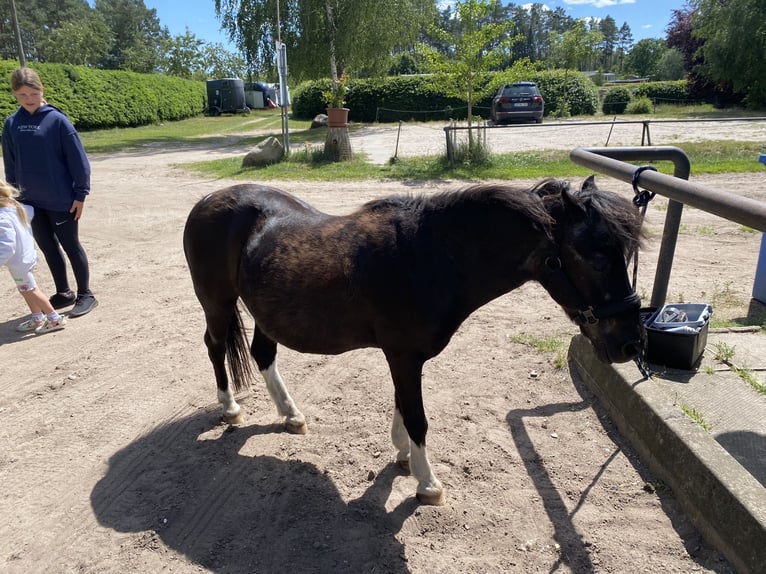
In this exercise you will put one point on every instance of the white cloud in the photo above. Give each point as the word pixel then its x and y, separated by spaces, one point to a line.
pixel 528 7
pixel 599 3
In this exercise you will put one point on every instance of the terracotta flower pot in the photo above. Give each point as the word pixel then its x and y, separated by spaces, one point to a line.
pixel 337 117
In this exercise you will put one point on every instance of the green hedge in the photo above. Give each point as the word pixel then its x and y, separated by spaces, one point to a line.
pixel 365 97
pixel 618 97
pixel 414 98
pixel 675 92
pixel 102 99
pixel 616 100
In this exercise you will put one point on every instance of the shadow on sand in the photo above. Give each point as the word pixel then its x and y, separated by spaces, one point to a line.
pixel 233 513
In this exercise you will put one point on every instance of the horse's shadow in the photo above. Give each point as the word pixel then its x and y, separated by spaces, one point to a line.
pixel 233 513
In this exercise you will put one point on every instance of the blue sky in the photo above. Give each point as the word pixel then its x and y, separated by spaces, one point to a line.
pixel 646 18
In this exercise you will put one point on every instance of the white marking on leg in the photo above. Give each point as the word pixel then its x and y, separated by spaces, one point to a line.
pixel 401 439
pixel 294 420
pixel 430 490
pixel 231 410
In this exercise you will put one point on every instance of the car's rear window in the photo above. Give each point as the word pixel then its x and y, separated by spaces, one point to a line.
pixel 520 91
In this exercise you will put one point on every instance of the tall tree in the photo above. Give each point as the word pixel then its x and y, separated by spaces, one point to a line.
pixel 479 47
pixel 734 36
pixel 184 57
pixel 138 36
pixel 608 45
pixel 644 56
pixel 624 43
pixel 84 43
pixel 573 49
pixel 324 37
pixel 37 19
pixel 670 65
pixel 678 35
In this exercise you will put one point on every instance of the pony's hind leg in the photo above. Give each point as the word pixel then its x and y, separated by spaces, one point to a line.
pixel 406 371
pixel 264 351
pixel 215 339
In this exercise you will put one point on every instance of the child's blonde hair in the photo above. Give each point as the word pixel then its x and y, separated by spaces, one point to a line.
pixel 8 195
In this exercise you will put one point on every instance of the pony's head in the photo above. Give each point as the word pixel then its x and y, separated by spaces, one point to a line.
pixel 585 270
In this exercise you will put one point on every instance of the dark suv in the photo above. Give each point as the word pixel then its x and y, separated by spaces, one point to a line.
pixel 519 101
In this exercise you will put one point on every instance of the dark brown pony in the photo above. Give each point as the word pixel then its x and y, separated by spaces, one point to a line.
pixel 401 274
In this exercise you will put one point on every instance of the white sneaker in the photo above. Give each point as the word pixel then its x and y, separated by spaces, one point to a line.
pixel 47 325
pixel 30 325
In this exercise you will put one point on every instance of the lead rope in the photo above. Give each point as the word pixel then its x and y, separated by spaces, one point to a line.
pixel 641 200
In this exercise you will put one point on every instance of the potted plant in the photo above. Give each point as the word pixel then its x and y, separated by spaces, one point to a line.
pixel 334 98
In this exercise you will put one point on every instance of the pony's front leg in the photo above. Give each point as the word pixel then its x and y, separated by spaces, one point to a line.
pixel 264 351
pixel 406 371
pixel 295 422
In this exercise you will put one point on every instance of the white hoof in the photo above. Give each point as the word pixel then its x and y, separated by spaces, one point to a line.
pixel 432 495
pixel 234 418
pixel 296 426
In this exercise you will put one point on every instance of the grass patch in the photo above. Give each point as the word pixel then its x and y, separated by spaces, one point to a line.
pixel 725 353
pixel 699 111
pixel 201 129
pixel 523 165
pixel 696 416
pixel 544 345
pixel 748 376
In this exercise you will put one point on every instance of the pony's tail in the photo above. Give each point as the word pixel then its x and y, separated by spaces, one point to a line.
pixel 238 353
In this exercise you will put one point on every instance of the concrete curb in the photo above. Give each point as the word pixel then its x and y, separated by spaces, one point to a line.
pixel 724 502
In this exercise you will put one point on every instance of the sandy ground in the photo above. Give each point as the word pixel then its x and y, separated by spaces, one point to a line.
pixel 113 458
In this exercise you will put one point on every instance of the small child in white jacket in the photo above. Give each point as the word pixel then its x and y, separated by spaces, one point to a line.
pixel 18 253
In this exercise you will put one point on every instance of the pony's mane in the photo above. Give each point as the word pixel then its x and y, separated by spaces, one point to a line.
pixel 527 202
pixel 619 215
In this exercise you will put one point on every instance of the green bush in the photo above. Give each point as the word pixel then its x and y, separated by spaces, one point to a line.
pixel 675 92
pixel 642 105
pixel 567 93
pixel 616 100
pixel 414 97
pixel 368 99
pixel 102 99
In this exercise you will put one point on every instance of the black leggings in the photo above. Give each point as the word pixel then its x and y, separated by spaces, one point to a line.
pixel 54 230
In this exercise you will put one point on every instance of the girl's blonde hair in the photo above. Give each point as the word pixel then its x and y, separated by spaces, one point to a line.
pixel 8 195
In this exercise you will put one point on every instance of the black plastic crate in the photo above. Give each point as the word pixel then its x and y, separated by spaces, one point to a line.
pixel 679 342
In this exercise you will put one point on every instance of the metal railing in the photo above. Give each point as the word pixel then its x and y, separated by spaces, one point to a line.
pixel 613 162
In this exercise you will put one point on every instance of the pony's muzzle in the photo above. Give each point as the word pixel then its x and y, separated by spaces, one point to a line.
pixel 631 350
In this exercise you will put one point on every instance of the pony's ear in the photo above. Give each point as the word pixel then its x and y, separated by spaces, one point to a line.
pixel 571 198
pixel 589 184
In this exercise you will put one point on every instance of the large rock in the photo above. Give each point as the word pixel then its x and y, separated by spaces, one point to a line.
pixel 319 121
pixel 265 153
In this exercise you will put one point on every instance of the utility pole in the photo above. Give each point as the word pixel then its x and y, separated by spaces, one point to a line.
pixel 284 95
pixel 19 46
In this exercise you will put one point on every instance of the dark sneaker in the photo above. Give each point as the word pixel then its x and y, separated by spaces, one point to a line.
pixel 61 300
pixel 84 304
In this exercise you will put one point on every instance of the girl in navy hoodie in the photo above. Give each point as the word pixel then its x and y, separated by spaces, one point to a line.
pixel 44 158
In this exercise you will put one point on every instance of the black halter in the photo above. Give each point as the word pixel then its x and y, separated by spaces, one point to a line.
pixel 557 281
